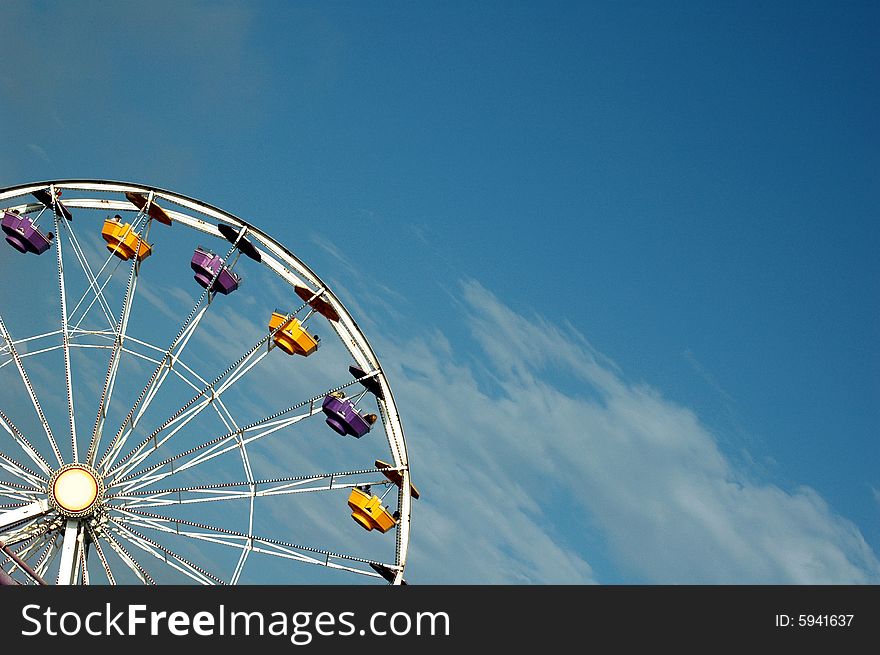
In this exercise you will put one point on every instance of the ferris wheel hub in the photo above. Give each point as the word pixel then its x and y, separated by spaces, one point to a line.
pixel 76 490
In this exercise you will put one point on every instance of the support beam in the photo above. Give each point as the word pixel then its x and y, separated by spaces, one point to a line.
pixel 70 551
pixel 16 516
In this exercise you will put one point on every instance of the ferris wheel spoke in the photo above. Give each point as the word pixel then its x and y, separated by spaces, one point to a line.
pixel 24 530
pixel 16 505
pixel 14 518
pixel 29 512
pixel 23 533
pixel 65 337
pixel 105 306
pixel 257 544
pixel 84 576
pixel 148 394
pixel 257 489
pixel 107 335
pixel 20 471
pixel 4 332
pixel 27 546
pixel 128 560
pixel 25 445
pixel 177 561
pixel 96 544
pixel 73 344
pixel 18 499
pixel 169 362
pixel 239 566
pixel 47 557
pixel 115 355
pixel 28 488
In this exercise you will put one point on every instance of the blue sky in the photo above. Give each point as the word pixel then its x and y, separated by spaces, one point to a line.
pixel 618 258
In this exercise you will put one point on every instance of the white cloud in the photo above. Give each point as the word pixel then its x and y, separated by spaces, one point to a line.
pixel 523 475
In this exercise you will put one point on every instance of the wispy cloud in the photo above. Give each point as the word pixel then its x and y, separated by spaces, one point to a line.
pixel 333 250
pixel 707 377
pixel 40 152
pixel 524 474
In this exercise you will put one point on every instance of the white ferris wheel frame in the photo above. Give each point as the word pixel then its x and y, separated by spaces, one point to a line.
pixel 288 267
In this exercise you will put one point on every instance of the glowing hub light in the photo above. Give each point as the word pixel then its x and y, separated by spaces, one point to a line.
pixel 75 490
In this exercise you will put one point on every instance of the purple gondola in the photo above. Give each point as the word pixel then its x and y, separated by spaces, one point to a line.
pixel 344 418
pixel 206 264
pixel 23 235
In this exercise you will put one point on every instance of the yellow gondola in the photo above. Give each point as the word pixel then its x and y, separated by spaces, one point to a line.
pixel 122 241
pixel 292 338
pixel 367 510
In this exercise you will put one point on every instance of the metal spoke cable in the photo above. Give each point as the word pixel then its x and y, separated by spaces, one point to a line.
pixel 20 563
pixel 24 530
pixel 23 442
pixel 22 487
pixel 169 553
pixel 21 471
pixel 129 561
pixel 11 493
pixel 93 282
pixel 98 549
pixel 282 483
pixel 249 537
pixel 32 353
pixel 83 567
pixel 99 291
pixel 30 389
pixel 206 452
pixel 65 337
pixel 3 349
pixel 257 546
pixel 105 305
pixel 47 557
pixel 115 356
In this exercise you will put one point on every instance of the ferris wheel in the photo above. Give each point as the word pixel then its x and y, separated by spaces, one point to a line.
pixel 169 410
